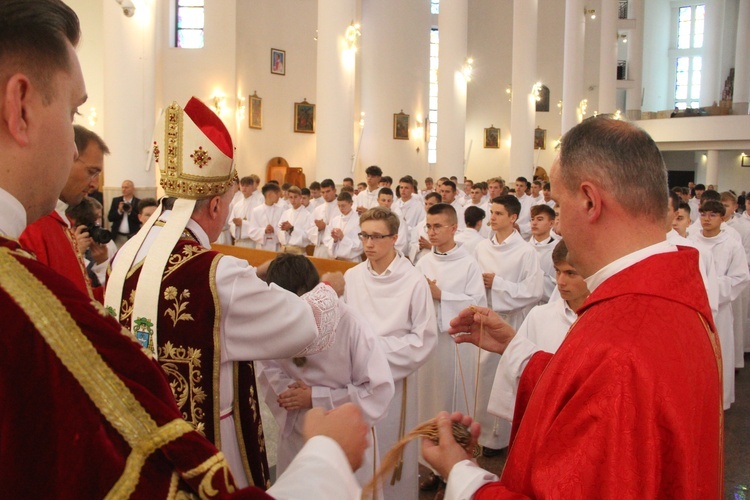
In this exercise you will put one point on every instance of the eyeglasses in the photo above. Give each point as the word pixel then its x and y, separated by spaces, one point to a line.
pixel 373 237
pixel 434 227
pixel 92 170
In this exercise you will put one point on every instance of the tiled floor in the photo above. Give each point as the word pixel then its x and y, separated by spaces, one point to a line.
pixel 736 443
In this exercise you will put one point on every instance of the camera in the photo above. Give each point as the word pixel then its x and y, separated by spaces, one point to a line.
pixel 99 234
pixel 126 207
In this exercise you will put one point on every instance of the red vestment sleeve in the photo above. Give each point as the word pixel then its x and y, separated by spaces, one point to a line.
pixel 530 376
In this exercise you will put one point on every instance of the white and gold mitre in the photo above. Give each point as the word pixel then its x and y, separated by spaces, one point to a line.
pixel 193 151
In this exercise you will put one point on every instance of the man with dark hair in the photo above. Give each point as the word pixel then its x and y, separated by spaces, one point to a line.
pixel 386 181
pixel 341 238
pixel 315 195
pixel 428 188
pixel 241 212
pixel 524 216
pixel 609 180
pixel 408 204
pixel 449 194
pixel 695 201
pixel 368 198
pixel 403 243
pixel 264 219
pixel 542 220
pixel 322 216
pixel 420 242
pixel 472 235
pixel 52 238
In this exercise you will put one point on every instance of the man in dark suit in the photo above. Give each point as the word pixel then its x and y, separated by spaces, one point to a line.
pixel 123 214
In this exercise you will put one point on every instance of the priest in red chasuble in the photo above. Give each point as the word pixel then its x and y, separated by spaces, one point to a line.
pixel 630 406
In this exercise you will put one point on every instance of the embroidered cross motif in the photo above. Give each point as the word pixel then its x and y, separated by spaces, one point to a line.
pixel 200 157
pixel 156 152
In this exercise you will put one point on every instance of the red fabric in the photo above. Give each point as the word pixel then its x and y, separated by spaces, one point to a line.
pixel 51 241
pixel 630 406
pixel 210 124
pixel 54 442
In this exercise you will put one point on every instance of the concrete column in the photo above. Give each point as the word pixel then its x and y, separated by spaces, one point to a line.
pixel 335 90
pixel 451 137
pixel 129 95
pixel 712 168
pixel 575 31
pixel 608 57
pixel 523 107
pixel 633 95
pixel 711 80
pixel 742 60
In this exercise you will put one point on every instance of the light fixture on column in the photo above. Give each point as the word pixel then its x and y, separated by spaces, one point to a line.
pixel 128 8
pixel 589 12
pixel 559 106
pixel 509 92
pixel 583 106
pixel 622 38
pixel 536 91
pixel 352 35
pixel 241 107
pixel 617 115
pixel 362 119
pixel 468 68
pixel 92 117
pixel 219 101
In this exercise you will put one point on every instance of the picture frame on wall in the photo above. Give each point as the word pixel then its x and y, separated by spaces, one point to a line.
pixel 492 137
pixel 278 62
pixel 304 117
pixel 401 126
pixel 745 161
pixel 540 138
pixel 256 111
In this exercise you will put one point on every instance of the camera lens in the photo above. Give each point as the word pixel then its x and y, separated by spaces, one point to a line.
pixel 99 234
pixel 126 207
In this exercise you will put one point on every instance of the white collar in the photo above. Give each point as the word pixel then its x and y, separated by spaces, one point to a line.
pixel 12 215
pixel 61 208
pixel 388 270
pixel 626 261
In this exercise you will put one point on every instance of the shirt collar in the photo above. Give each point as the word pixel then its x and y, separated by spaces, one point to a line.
pixel 61 208
pixel 389 270
pixel 626 261
pixel 12 215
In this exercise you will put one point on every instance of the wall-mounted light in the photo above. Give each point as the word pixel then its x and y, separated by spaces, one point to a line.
pixel 362 119
pixel 352 35
pixel 219 103
pixel 128 9
pixel 622 38
pixel 617 115
pixel 589 12
pixel 536 91
pixel 468 68
pixel 241 107
pixel 509 92
pixel 583 106
pixel 559 106
pixel 93 117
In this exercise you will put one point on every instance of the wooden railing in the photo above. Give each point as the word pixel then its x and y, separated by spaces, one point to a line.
pixel 257 257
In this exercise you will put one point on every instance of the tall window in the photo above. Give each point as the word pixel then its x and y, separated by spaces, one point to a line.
pixel 432 118
pixel 189 25
pixel 687 56
pixel 435 6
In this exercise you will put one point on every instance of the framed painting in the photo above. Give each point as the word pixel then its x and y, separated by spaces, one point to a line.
pixel 401 125
pixel 256 111
pixel 745 161
pixel 492 137
pixel 278 62
pixel 540 138
pixel 304 117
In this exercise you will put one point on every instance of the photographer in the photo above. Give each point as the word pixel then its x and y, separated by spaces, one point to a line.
pixel 123 214
pixel 94 242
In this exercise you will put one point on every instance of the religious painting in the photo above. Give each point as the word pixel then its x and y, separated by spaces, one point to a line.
pixel 542 105
pixel 304 117
pixel 401 125
pixel 492 137
pixel 540 138
pixel 256 111
pixel 278 62
pixel 745 162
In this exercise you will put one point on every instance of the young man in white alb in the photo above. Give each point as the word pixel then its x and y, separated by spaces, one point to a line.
pixel 239 215
pixel 420 245
pixel 395 300
pixel 524 216
pixel 449 194
pixel 428 187
pixel 542 220
pixel 546 196
pixel 342 234
pixel 316 197
pixel 323 215
pixel 472 236
pixel 536 192
pixel 739 305
pixel 544 328
pixel 295 224
pixel 353 369
pixel 478 201
pixel 385 199
pixel 409 205
pixel 264 219
pixel 733 276
pixel 514 281
pixel 447 380
pixel 368 198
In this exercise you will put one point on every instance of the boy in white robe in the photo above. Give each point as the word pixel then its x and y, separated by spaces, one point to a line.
pixel 342 235
pixel 449 194
pixel 420 243
pixel 265 218
pixel 409 205
pixel 353 369
pixel 385 199
pixel 241 211
pixel 316 197
pixel 739 305
pixel 323 215
pixel 295 224
pixel 474 218
pixel 447 381
pixel 542 220
pixel 368 197
pixel 524 216
pixel 544 329
pixel 394 298
pixel 536 193
pixel 515 283
pixel 478 201
pixel 733 276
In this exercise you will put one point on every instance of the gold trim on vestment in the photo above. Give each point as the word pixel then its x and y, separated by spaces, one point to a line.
pixel 106 390
pixel 238 424
pixel 205 466
pixel 217 350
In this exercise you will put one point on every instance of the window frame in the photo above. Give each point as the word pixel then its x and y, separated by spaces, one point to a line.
pixel 675 53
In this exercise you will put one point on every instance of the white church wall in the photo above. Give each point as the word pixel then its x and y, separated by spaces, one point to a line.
pixel 656 32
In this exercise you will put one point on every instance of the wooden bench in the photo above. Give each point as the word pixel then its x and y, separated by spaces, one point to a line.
pixel 257 257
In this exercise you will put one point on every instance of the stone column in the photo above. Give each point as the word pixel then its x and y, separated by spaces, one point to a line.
pixel 575 31
pixel 608 57
pixel 742 60
pixel 712 168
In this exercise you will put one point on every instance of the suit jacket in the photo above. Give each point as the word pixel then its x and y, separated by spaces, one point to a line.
pixel 116 218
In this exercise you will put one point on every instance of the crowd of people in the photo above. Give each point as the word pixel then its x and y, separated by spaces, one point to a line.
pixel 581 322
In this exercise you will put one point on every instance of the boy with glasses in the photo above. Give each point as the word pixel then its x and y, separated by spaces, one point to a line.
pixel 395 300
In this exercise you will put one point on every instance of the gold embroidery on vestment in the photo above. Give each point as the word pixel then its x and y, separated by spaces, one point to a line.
pixel 185 386
pixel 180 304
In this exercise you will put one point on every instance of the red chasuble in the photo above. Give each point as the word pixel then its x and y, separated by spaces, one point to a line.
pixel 84 412
pixel 630 406
pixel 188 337
pixel 53 243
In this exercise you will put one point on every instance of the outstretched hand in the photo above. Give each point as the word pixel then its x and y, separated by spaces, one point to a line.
pixel 483 327
pixel 447 453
